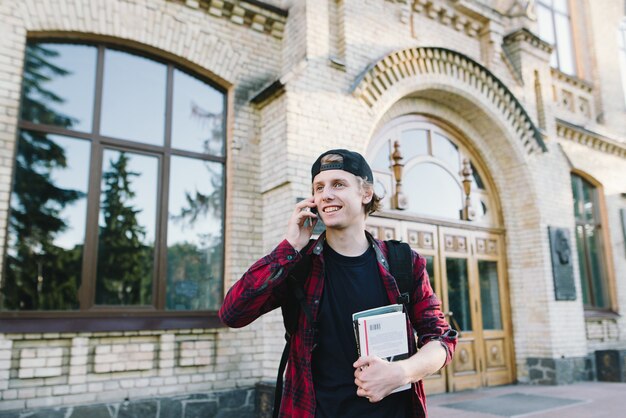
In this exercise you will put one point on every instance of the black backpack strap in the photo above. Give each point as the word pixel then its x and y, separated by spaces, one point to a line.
pixel 296 300
pixel 401 268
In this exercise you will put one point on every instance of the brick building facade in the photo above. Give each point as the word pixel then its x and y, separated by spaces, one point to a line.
pixel 524 101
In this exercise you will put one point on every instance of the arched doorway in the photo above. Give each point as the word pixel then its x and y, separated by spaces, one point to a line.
pixel 459 233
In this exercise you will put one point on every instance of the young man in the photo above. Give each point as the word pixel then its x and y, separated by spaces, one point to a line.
pixel 349 273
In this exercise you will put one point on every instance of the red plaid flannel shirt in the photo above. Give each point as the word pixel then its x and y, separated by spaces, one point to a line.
pixel 263 287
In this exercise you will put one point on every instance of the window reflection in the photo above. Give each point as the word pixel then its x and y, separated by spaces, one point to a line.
pixel 446 151
pixel 564 42
pixel 582 265
pixel 126 229
pixel 414 142
pixel 600 290
pixel 478 181
pixel 197 116
pixel 587 202
pixel 458 292
pixel 59 84
pixel 48 204
pixel 480 209
pixel 560 5
pixel 555 27
pixel 195 235
pixel 589 244
pixel 622 54
pixel 133 98
pixel 546 28
pixel 382 161
pixel 489 294
pixel 433 191
pixel 46 223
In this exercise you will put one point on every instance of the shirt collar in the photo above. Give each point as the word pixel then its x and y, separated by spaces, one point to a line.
pixel 318 246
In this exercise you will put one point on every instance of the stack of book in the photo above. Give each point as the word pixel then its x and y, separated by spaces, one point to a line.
pixel 382 332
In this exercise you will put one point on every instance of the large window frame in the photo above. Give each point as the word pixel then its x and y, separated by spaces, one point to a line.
pixel 604 254
pixel 91 317
pixel 558 53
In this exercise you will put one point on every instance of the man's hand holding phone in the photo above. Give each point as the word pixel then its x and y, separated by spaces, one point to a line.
pixel 301 224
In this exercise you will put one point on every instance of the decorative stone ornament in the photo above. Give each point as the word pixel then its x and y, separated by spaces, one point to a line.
pixel 468 213
pixel 399 200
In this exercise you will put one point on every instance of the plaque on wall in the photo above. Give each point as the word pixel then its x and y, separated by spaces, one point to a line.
pixel 562 266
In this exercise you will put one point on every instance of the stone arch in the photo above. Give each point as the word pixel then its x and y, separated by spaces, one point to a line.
pixel 406 71
pixel 496 142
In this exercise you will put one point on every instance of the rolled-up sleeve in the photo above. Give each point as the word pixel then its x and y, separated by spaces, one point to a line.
pixel 260 289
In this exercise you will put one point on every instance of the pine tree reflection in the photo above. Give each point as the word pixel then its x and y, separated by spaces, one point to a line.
pixel 39 274
pixel 195 266
pixel 124 275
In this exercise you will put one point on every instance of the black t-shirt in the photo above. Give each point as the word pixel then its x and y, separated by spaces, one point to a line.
pixel 351 284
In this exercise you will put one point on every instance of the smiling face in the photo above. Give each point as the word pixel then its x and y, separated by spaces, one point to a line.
pixel 340 199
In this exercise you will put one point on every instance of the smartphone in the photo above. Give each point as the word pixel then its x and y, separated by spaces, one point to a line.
pixel 310 221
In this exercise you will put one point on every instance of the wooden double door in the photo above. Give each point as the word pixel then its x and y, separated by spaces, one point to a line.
pixel 467 271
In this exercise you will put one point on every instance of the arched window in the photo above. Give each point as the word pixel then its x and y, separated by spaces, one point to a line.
pixel 432 179
pixel 118 193
pixel 590 244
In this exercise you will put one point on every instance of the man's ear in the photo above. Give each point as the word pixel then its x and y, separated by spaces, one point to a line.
pixel 368 195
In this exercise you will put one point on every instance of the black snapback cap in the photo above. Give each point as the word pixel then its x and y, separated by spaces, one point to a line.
pixel 353 162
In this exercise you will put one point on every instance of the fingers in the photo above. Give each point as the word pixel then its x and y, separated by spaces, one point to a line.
pixel 301 223
pixel 363 393
pixel 306 203
pixel 364 361
pixel 370 378
pixel 301 214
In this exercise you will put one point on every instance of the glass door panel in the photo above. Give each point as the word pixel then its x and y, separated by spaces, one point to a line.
pixel 458 292
pixel 460 301
pixel 496 344
pixel 489 294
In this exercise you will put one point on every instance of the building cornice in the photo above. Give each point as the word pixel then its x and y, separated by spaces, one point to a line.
pixel 525 35
pixel 254 14
pixel 571 80
pixel 456 69
pixel 458 16
pixel 593 140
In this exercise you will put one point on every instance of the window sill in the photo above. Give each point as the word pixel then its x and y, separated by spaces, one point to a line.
pixel 138 321
pixel 598 315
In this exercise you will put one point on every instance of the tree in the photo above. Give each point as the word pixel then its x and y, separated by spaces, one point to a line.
pixel 124 271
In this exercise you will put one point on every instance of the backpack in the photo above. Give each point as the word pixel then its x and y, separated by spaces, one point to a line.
pixel 400 266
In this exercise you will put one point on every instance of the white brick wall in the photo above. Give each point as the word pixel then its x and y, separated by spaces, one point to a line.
pixel 40 362
pixel 270 150
pixel 123 357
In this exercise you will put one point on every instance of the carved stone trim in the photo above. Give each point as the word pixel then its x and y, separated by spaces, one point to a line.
pixel 524 35
pixel 460 70
pixel 449 16
pixel 590 139
pixel 571 80
pixel 250 13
